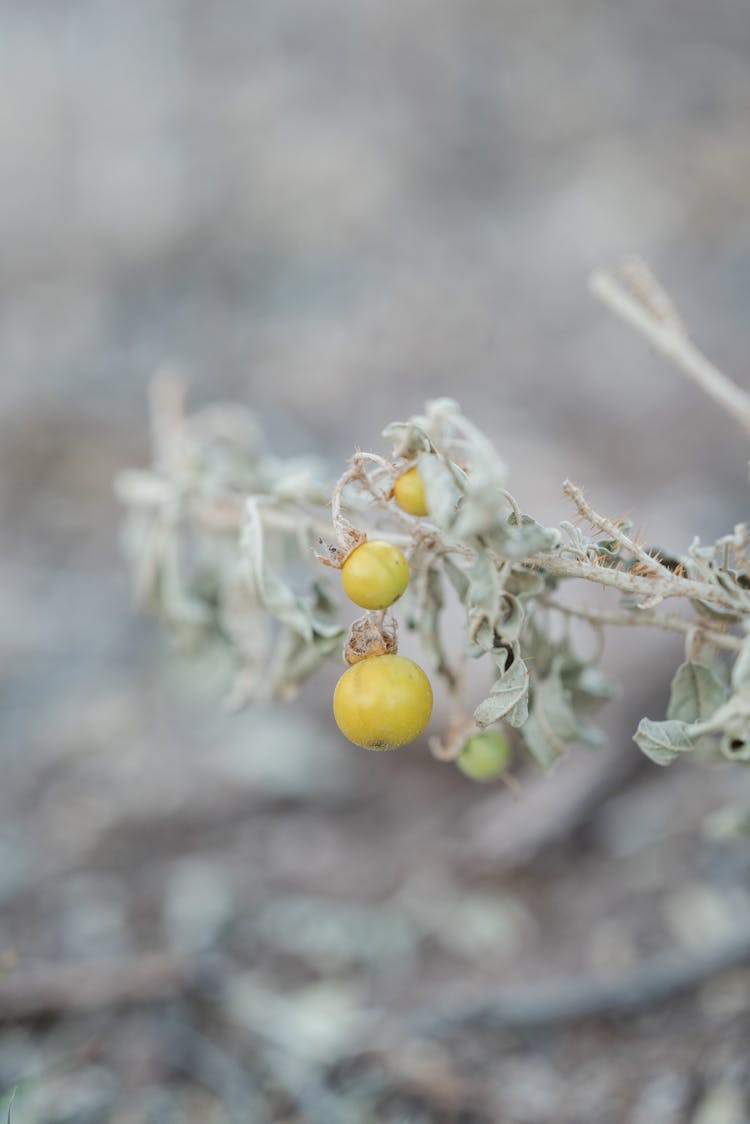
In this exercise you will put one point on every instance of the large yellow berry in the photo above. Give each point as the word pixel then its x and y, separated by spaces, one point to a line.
pixel 375 575
pixel 409 492
pixel 382 702
pixel 485 756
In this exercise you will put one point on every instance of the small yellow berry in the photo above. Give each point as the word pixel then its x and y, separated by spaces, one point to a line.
pixel 485 756
pixel 375 575
pixel 409 492
pixel 382 702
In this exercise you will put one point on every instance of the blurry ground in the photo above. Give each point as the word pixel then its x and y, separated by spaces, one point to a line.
pixel 331 212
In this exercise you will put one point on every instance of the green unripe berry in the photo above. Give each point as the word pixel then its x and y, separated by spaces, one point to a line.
pixel 485 756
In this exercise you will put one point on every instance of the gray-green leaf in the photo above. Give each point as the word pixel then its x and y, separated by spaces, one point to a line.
pixel 297 657
pixel 696 693
pixel 408 438
pixel 741 669
pixel 442 491
pixel 551 724
pixel 271 590
pixel 541 741
pixel 458 578
pixel 590 687
pixel 516 541
pixel 309 617
pixel 506 693
pixel 525 583
pixel 664 741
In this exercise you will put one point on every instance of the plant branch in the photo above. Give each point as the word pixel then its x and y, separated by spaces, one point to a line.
pixel 647 561
pixel 645 618
pixel 652 588
pixel 641 307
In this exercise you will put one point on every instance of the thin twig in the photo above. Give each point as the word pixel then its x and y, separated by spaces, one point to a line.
pixel 648 561
pixel 650 292
pixel 661 588
pixel 673 343
pixel 645 618
pixel 348 535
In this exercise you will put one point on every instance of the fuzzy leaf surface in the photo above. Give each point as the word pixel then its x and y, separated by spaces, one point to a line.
pixel 696 693
pixel 506 693
pixel 664 741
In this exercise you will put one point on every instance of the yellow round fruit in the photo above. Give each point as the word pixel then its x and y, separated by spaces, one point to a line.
pixel 409 492
pixel 382 702
pixel 375 575
pixel 485 756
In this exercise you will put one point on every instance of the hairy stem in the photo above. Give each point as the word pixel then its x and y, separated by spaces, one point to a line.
pixel 645 618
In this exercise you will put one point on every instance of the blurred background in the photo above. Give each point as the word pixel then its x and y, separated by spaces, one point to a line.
pixel 330 212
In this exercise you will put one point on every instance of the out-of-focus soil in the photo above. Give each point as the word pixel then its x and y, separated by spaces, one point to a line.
pixel 331 212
